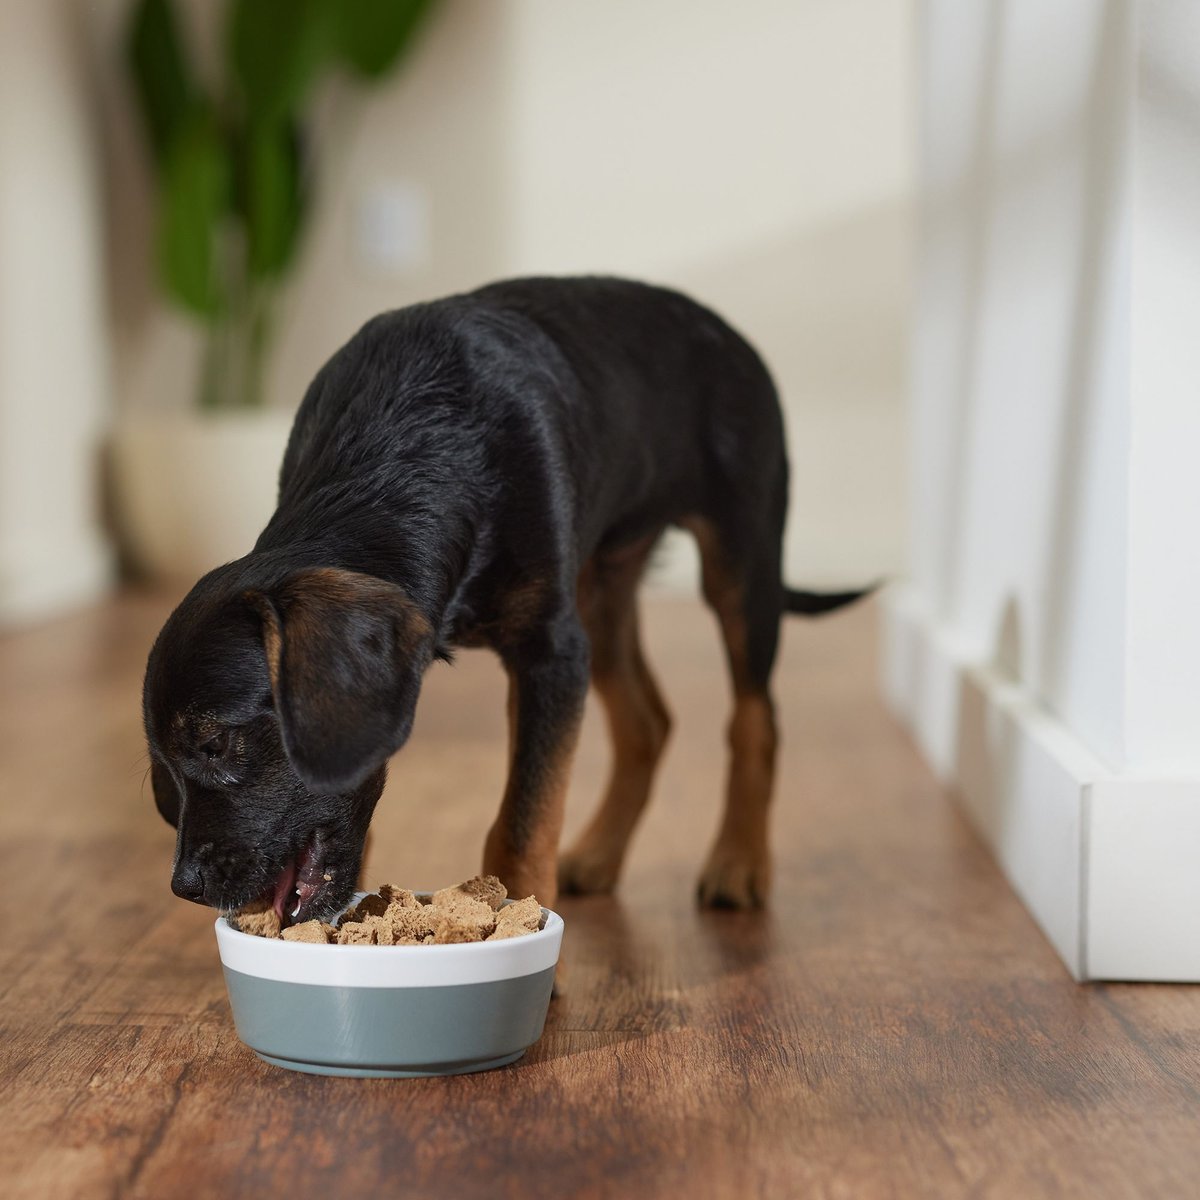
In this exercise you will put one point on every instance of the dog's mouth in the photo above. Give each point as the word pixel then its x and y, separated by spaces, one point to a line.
pixel 304 884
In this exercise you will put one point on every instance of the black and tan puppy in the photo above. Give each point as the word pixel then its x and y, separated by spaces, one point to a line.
pixel 492 469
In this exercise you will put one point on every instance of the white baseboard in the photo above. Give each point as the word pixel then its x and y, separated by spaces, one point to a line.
pixel 1107 865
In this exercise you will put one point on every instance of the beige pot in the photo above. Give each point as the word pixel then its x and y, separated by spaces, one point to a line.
pixel 193 490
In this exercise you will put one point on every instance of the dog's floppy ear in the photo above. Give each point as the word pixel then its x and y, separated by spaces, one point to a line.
pixel 346 653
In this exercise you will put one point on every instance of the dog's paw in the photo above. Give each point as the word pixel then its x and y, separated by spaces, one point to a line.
pixel 583 873
pixel 734 878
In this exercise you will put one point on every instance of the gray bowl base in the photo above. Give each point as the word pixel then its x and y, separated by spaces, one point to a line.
pixel 389 1032
pixel 483 1064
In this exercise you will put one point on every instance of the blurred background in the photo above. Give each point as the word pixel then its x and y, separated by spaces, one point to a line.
pixel 200 201
pixel 962 234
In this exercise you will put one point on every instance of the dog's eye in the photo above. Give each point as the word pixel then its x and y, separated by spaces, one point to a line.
pixel 215 745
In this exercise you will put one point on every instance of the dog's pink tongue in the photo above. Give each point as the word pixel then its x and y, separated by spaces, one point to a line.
pixel 309 875
pixel 283 889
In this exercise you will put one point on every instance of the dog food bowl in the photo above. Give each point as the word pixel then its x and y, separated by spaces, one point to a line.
pixel 390 1011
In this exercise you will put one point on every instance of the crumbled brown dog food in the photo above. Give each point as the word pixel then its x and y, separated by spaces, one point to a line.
pixel 473 911
pixel 260 919
pixel 519 917
pixel 487 888
pixel 411 924
pixel 398 898
pixel 306 931
pixel 461 918
pixel 373 905
pixel 372 930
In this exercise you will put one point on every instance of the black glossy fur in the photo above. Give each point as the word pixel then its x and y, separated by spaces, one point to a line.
pixel 451 470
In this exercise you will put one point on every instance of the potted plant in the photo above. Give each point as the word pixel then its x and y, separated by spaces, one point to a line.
pixel 235 169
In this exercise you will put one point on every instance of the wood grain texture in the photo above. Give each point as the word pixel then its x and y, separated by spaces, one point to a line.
pixel 892 1025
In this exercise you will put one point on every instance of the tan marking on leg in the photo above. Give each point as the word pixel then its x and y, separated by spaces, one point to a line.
pixel 530 867
pixel 723 593
pixel 638 720
pixel 638 724
pixel 737 873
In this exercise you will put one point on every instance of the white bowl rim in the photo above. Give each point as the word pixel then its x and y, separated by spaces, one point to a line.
pixel 389 966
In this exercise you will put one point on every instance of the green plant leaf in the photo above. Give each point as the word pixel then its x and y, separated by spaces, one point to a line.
pixel 276 48
pixel 273 197
pixel 162 79
pixel 194 205
pixel 373 34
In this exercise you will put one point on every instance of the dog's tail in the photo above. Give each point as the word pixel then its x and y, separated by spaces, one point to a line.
pixel 813 604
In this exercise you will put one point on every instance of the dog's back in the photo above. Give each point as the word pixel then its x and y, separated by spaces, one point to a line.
pixel 643 404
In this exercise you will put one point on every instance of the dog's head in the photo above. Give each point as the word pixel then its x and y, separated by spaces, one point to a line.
pixel 270 713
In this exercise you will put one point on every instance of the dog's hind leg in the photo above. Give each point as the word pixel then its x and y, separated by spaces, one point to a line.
pixel 742 585
pixel 638 720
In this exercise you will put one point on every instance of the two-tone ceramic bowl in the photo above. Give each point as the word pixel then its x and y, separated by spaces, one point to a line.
pixel 393 1011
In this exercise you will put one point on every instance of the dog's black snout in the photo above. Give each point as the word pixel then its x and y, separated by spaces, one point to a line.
pixel 187 881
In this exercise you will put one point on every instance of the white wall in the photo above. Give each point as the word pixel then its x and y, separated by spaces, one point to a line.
pixel 1055 369
pixel 1162 651
pixel 648 135
pixel 1020 362
pixel 758 156
pixel 1047 651
pixel 54 385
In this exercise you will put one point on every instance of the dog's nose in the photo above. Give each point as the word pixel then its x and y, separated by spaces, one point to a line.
pixel 187 882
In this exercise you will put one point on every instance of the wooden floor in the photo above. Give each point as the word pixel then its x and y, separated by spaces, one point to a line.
pixel 894 1025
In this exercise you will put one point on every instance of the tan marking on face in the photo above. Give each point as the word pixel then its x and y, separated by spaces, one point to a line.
pixel 308 596
pixel 271 635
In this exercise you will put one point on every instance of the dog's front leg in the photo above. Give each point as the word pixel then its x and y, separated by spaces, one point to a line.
pixel 548 681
